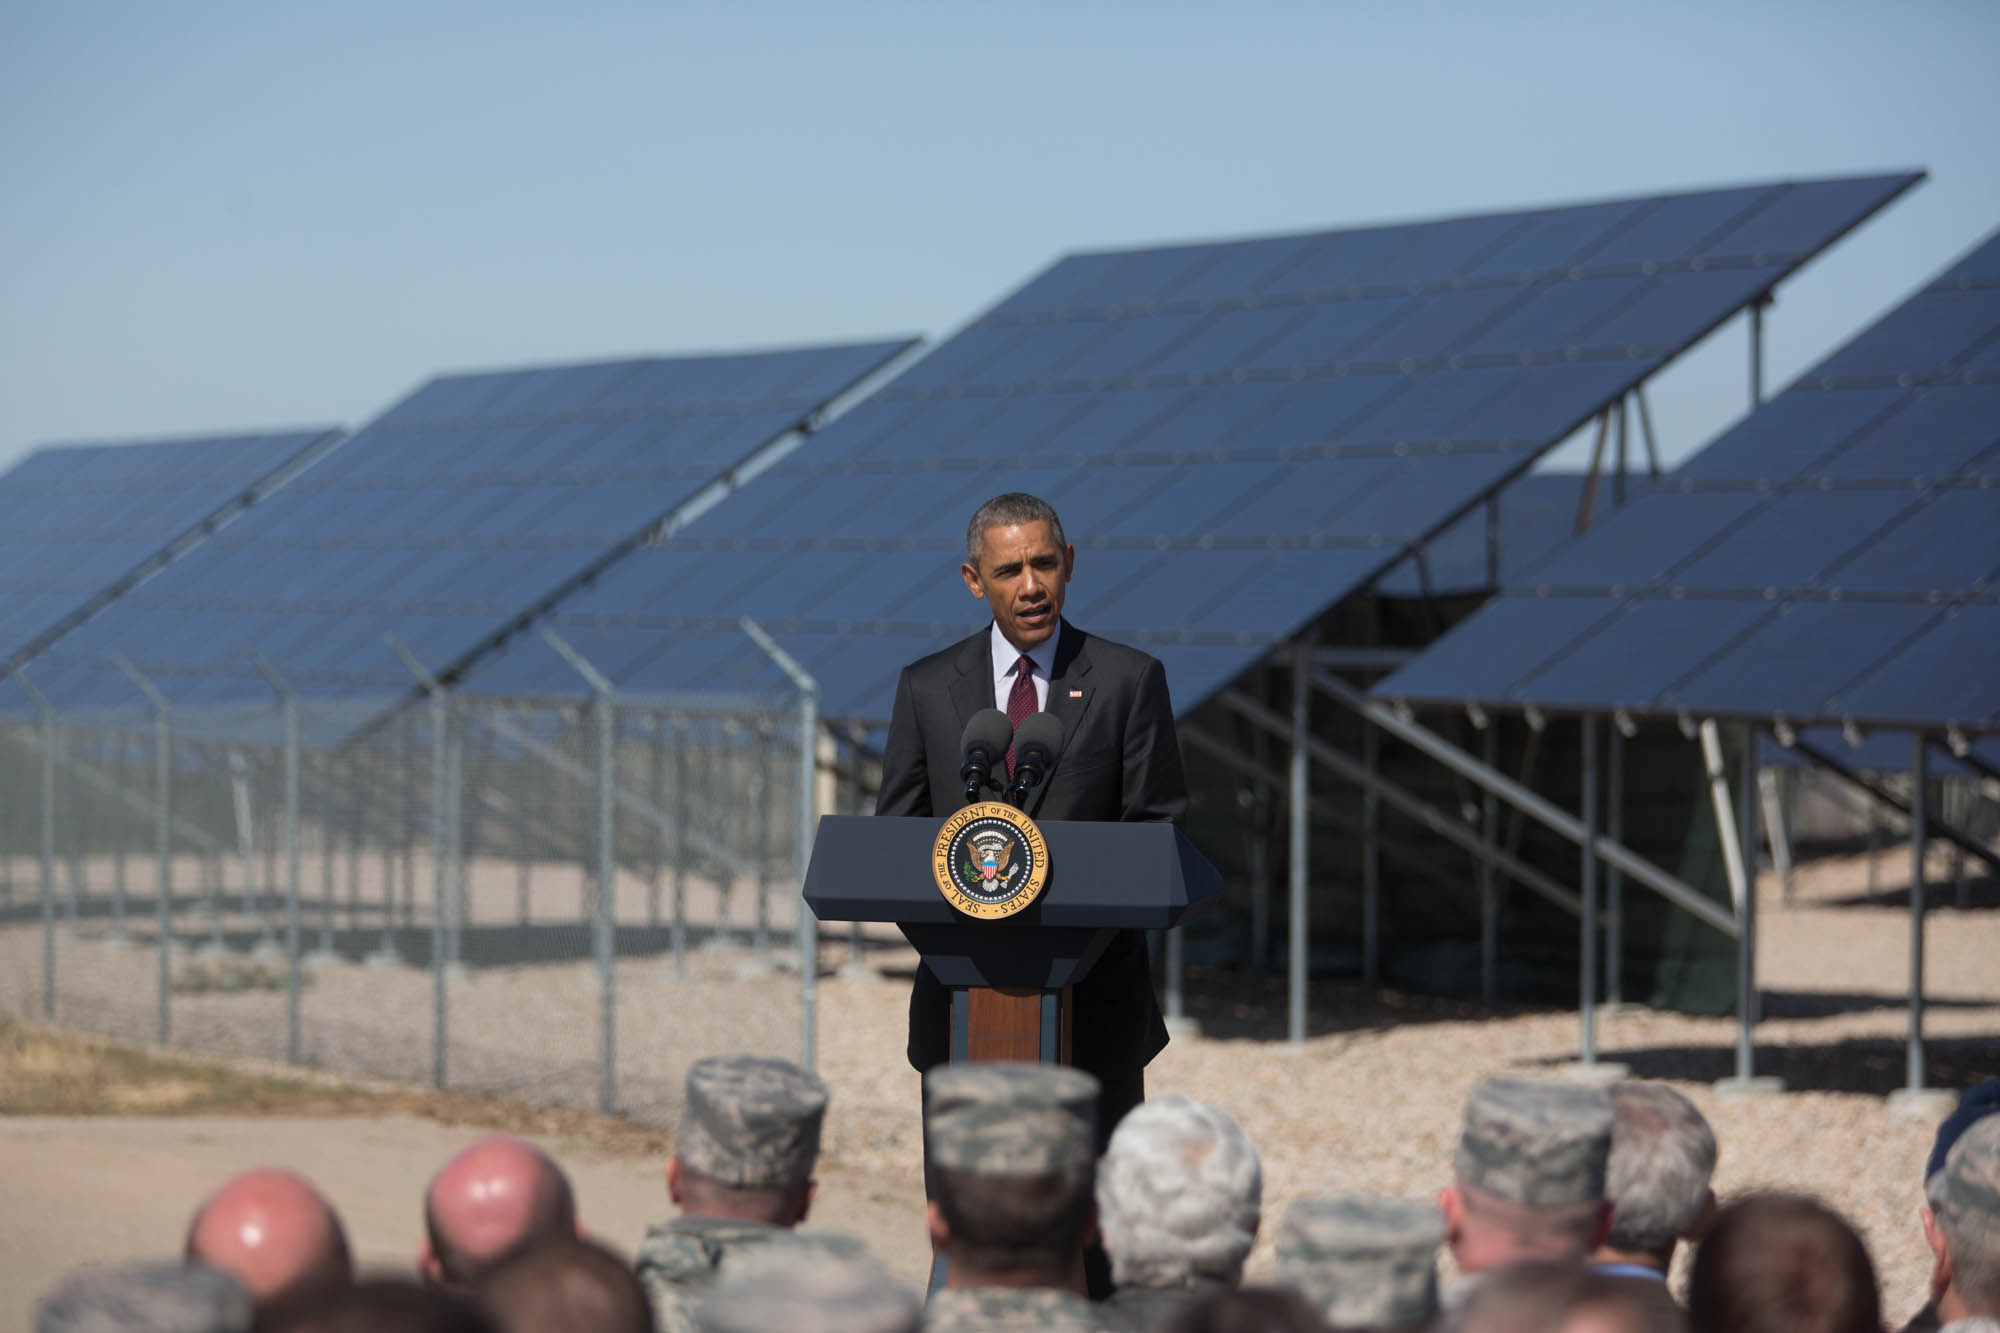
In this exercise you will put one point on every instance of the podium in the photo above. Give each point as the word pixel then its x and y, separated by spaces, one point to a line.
pixel 1010 979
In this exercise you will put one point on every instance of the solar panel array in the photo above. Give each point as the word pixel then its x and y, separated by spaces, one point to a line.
pixel 77 520
pixel 1833 558
pixel 1236 435
pixel 445 519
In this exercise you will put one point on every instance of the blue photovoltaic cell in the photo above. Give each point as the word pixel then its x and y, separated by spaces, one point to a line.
pixel 443 520
pixel 1537 513
pixel 1794 222
pixel 76 519
pixel 1237 436
pixel 1509 638
pixel 1853 515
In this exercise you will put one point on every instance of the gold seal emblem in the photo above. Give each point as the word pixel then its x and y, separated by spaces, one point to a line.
pixel 990 861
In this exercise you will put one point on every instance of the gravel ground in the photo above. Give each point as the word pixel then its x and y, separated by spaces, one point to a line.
pixel 1370 1101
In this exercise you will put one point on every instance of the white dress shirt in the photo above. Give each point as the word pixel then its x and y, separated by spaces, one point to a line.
pixel 1006 654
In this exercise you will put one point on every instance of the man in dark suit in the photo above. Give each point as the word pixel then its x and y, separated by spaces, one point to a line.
pixel 1120 761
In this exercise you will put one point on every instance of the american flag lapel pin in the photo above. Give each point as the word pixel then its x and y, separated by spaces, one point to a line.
pixel 1076 694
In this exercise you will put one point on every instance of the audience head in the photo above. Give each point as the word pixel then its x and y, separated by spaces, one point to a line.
pixel 1364 1261
pixel 1565 1297
pixel 1249 1310
pixel 274 1233
pixel 145 1298
pixel 1964 1225
pixel 1179 1193
pixel 1662 1155
pixel 1013 1152
pixel 385 1305
pixel 1530 1173
pixel 748 1140
pixel 499 1198
pixel 1782 1263
pixel 805 1289
pixel 568 1286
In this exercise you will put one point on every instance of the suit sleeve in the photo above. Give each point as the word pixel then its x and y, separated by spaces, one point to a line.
pixel 906 787
pixel 1155 786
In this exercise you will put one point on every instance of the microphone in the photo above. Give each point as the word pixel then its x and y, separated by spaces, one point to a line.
pixel 984 745
pixel 1036 745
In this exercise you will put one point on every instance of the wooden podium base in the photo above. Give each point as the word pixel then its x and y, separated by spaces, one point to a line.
pixel 991 1023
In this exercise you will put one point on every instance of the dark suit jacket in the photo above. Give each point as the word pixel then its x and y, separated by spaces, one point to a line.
pixel 1120 761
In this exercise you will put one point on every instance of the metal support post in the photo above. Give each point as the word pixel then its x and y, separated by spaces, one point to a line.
pixel 1614 879
pixel 441 868
pixel 1646 429
pixel 1300 793
pixel 808 931
pixel 119 824
pixel 656 838
pixel 329 803
pixel 1770 786
pixel 1489 887
pixel 524 870
pixel 761 942
pixel 1757 352
pixel 604 704
pixel 406 822
pixel 454 848
pixel 391 821
pixel 1624 442
pixel 683 843
pixel 1587 891
pixel 291 782
pixel 1371 860
pixel 1919 808
pixel 163 834
pixel 48 843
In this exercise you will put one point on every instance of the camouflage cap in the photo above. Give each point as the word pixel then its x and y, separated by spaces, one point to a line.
pixel 1535 1142
pixel 145 1298
pixel 785 1284
pixel 1364 1260
pixel 1971 1189
pixel 751 1122
pixel 1011 1083
pixel 995 1139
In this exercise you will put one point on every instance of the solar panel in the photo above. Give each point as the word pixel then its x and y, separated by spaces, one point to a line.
pixel 1833 558
pixel 76 521
pixel 446 518
pixel 1236 435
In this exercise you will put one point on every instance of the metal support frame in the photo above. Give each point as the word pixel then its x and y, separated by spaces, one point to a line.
pixel 1934 826
pixel 760 944
pixel 291 710
pixel 1371 861
pixel 1558 821
pixel 1588 500
pixel 47 716
pixel 605 705
pixel 1646 432
pixel 808 930
pixel 683 826
pixel 1919 823
pixel 163 834
pixel 1757 308
pixel 1770 787
pixel 440 850
pixel 1299 794
pixel 1614 880
pixel 117 936
pixel 1489 888
pixel 1586 981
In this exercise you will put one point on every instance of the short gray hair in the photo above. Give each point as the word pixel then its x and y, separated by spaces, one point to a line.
pixel 1006 511
pixel 145 1298
pixel 1179 1195
pixel 1662 1155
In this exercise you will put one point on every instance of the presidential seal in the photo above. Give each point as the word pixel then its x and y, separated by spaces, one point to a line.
pixel 990 861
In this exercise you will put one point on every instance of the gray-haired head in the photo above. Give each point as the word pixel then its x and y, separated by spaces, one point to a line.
pixel 1013 509
pixel 751 1122
pixel 1535 1142
pixel 145 1298
pixel 1364 1260
pixel 784 1285
pixel 1662 1156
pixel 1179 1193
pixel 1966 1199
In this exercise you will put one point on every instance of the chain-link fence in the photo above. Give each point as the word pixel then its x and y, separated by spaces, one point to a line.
pixel 557 902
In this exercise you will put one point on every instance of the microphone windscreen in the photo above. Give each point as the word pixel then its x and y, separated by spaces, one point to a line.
pixel 989 730
pixel 1043 731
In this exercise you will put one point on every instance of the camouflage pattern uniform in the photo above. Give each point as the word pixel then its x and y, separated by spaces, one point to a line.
pixel 1969 1206
pixel 788 1284
pixel 1011 1119
pixel 749 1123
pixel 1142 1309
pixel 1364 1261
pixel 158 1298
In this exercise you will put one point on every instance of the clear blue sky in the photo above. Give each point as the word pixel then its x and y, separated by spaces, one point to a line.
pixel 236 216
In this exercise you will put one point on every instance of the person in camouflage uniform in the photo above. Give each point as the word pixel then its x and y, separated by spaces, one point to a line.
pixel 741 1174
pixel 1365 1261
pixel 1012 1150
pixel 135 1298
pixel 800 1288
pixel 1530 1173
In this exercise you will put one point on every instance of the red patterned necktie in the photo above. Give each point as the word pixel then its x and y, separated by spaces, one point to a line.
pixel 1020 700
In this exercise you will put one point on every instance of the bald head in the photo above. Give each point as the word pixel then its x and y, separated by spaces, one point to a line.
pixel 274 1233
pixel 499 1198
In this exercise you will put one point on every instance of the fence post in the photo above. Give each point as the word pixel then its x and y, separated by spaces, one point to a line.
pixel 291 780
pixel 163 759
pixel 441 878
pixel 48 840
pixel 120 821
pixel 683 845
pixel 808 927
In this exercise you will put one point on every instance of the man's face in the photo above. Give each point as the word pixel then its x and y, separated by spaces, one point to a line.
pixel 1023 573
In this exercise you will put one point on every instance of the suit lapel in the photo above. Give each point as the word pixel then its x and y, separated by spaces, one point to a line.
pixel 972 689
pixel 1069 698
